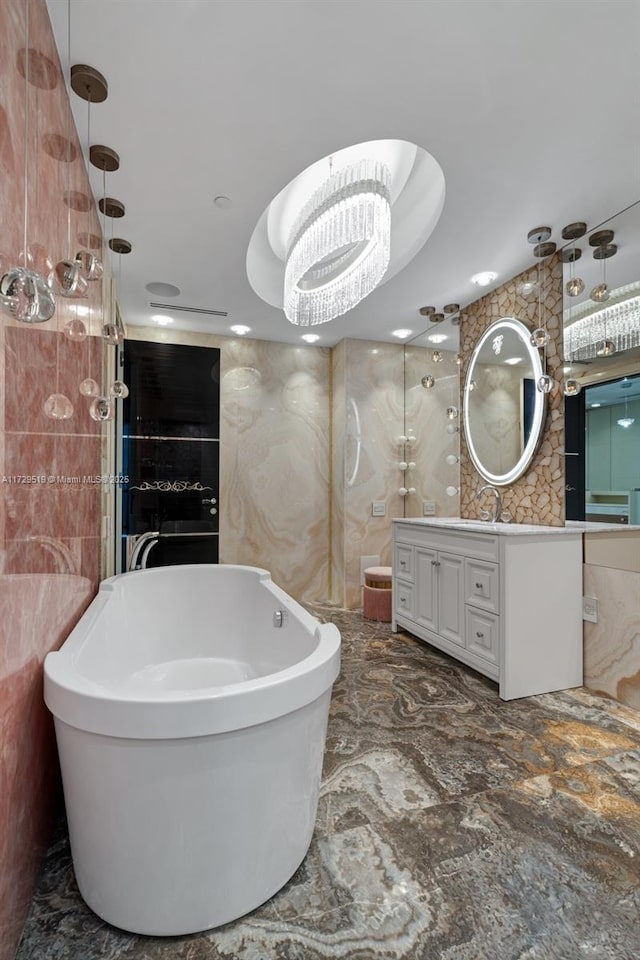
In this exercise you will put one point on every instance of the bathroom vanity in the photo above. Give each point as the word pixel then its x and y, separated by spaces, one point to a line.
pixel 506 599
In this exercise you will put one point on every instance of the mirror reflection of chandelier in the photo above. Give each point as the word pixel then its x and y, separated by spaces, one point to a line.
pixel 620 318
pixel 339 245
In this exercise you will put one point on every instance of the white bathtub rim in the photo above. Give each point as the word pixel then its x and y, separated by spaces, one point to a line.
pixel 82 703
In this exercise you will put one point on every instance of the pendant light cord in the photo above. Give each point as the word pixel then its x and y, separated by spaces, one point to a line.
pixel 26 132
pixel 69 132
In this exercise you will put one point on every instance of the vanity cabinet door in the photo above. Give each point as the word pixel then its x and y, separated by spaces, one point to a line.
pixel 426 606
pixel 482 582
pixel 483 634
pixel 450 574
pixel 403 561
pixel 403 599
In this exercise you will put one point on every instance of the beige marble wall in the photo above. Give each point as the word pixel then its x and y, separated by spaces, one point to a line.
pixel 338 486
pixel 538 497
pixel 426 419
pixel 274 457
pixel 612 645
pixel 369 415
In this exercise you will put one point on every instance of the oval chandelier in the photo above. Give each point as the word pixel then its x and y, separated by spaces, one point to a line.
pixel 339 245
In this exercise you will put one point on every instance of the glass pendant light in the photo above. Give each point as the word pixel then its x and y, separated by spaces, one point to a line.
pixel 571 387
pixel 58 407
pixel 89 388
pixel 101 409
pixel 604 249
pixel 575 285
pixel 626 421
pixel 75 329
pixel 540 336
pixel 89 84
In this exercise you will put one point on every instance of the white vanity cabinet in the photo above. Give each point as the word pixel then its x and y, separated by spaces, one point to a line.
pixel 504 599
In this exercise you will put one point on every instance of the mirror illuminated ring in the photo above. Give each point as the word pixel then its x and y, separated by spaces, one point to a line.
pixel 503 412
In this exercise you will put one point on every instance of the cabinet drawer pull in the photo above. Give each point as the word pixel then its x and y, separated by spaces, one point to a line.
pixel 403 563
pixel 435 563
pixel 403 599
pixel 479 635
pixel 479 586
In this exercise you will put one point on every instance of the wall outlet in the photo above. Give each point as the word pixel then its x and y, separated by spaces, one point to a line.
pixel 373 561
pixel 428 508
pixel 378 508
pixel 590 609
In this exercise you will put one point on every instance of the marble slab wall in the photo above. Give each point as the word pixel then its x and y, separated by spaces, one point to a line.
pixel 274 457
pixel 538 496
pixel 612 645
pixel 50 528
pixel 437 436
pixel 368 418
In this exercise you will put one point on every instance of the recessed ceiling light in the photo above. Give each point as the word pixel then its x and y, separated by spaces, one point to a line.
pixel 163 289
pixel 161 320
pixel 437 338
pixel 240 329
pixel 484 278
pixel 401 334
pixel 222 202
pixel 595 405
pixel 513 360
pixel 310 337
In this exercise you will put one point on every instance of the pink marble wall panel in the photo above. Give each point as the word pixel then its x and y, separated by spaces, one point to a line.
pixel 538 496
pixel 49 532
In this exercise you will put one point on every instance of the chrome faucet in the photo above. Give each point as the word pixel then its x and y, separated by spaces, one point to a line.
pixel 59 551
pixel 497 510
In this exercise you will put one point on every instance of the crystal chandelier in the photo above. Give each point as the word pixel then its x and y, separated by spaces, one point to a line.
pixel 339 245
pixel 620 318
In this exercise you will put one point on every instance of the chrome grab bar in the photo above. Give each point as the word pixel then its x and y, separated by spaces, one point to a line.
pixel 147 541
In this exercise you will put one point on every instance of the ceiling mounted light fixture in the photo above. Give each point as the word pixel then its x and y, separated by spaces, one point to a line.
pixel 401 334
pixel 339 246
pixel 484 278
pixel 620 317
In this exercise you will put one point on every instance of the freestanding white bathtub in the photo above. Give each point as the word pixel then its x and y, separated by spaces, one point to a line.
pixel 191 728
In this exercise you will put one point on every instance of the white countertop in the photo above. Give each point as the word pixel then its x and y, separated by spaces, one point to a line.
pixel 516 529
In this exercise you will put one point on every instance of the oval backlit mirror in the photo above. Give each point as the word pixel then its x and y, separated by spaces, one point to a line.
pixel 503 409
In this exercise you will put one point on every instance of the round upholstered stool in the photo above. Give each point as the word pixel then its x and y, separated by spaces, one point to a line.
pixel 376 603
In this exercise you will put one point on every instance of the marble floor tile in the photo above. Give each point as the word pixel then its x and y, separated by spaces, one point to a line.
pixel 451 826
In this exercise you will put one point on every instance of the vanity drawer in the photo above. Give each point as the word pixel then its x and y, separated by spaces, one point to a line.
pixel 403 561
pixel 482 634
pixel 482 583
pixel 403 598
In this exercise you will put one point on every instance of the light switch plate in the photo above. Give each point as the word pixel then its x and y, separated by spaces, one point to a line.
pixel 590 609
pixel 378 508
pixel 428 508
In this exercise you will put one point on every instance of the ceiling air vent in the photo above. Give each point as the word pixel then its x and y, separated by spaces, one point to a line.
pixel 175 307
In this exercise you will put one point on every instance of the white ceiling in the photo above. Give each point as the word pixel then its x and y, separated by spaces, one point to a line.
pixel 531 108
